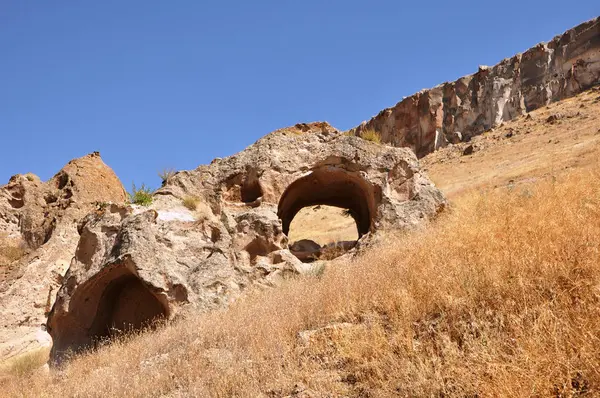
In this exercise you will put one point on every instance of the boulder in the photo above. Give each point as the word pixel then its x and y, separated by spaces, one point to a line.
pixel 135 265
pixel 43 216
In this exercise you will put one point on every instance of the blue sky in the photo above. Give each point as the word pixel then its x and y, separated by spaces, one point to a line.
pixel 174 84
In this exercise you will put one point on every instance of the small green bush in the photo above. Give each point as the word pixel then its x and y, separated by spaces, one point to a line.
pixel 371 135
pixel 140 196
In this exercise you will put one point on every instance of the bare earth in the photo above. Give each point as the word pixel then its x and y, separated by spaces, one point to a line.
pixel 523 150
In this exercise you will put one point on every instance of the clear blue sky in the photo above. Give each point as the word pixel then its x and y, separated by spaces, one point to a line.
pixel 174 84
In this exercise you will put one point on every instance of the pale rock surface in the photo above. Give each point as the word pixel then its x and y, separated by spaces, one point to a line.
pixel 44 216
pixel 133 264
pixel 548 72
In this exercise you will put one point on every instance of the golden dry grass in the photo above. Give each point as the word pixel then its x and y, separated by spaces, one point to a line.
pixel 322 224
pixel 191 202
pixel 10 250
pixel 25 364
pixel 371 135
pixel 499 297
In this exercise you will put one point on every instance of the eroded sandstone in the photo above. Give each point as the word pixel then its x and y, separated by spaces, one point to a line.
pixel 548 72
pixel 44 217
pixel 134 265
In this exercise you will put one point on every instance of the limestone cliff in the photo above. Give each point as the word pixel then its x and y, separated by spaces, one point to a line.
pixel 134 264
pixel 548 72
pixel 44 217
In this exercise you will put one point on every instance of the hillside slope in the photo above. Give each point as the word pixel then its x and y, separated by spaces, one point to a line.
pixel 499 297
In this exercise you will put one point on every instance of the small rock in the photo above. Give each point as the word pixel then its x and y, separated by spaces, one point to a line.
pixel 508 135
pixel 455 137
pixel 554 118
pixel 468 150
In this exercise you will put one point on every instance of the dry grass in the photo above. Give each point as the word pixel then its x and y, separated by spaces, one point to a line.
pixel 371 135
pixel 500 297
pixel 191 203
pixel 322 224
pixel 10 250
pixel 25 364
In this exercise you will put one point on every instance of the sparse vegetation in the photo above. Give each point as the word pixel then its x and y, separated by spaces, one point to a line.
pixel 191 202
pixel 141 196
pixel 371 135
pixel 165 174
pixel 497 298
pixel 329 252
pixel 10 250
pixel 25 364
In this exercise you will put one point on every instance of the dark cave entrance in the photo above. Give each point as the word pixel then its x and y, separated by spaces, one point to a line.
pixel 330 190
pixel 126 305
pixel 111 304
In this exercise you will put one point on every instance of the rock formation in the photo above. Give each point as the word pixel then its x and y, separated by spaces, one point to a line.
pixel 44 217
pixel 548 72
pixel 134 264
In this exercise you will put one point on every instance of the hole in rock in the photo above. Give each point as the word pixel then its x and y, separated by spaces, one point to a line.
pixel 112 303
pixel 126 305
pixel 331 208
pixel 251 189
pixel 322 232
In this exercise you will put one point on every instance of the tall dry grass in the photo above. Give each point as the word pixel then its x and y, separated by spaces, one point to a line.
pixel 11 249
pixel 500 297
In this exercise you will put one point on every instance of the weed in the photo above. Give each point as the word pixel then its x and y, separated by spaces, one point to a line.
pixel 191 202
pixel 371 135
pixel 165 174
pixel 141 196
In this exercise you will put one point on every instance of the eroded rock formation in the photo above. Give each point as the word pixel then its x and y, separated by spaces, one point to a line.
pixel 548 72
pixel 134 265
pixel 44 216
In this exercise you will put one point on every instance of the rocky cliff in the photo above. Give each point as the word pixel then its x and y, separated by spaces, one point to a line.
pixel 43 216
pixel 451 112
pixel 212 232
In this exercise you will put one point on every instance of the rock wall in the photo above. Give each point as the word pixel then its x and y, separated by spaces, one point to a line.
pixel 134 265
pixel 429 119
pixel 44 217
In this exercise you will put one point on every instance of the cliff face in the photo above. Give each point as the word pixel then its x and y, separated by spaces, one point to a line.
pixel 134 264
pixel 43 216
pixel 548 72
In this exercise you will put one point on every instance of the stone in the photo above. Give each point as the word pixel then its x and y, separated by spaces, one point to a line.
pixel 548 72
pixel 469 149
pixel 133 266
pixel 44 216
pixel 454 137
pixel 552 119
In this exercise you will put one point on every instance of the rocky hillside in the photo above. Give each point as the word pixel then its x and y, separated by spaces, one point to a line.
pixel 41 219
pixel 82 265
pixel 456 111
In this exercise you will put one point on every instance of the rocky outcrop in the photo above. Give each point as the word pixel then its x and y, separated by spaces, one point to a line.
pixel 44 217
pixel 548 72
pixel 134 265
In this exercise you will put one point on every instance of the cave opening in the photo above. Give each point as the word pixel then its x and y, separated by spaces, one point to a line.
pixel 325 212
pixel 113 303
pixel 126 305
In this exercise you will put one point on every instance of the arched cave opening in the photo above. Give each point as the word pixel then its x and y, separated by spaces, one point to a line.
pixel 344 207
pixel 112 303
pixel 125 305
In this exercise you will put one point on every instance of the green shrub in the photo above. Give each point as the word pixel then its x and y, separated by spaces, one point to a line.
pixel 371 135
pixel 140 196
